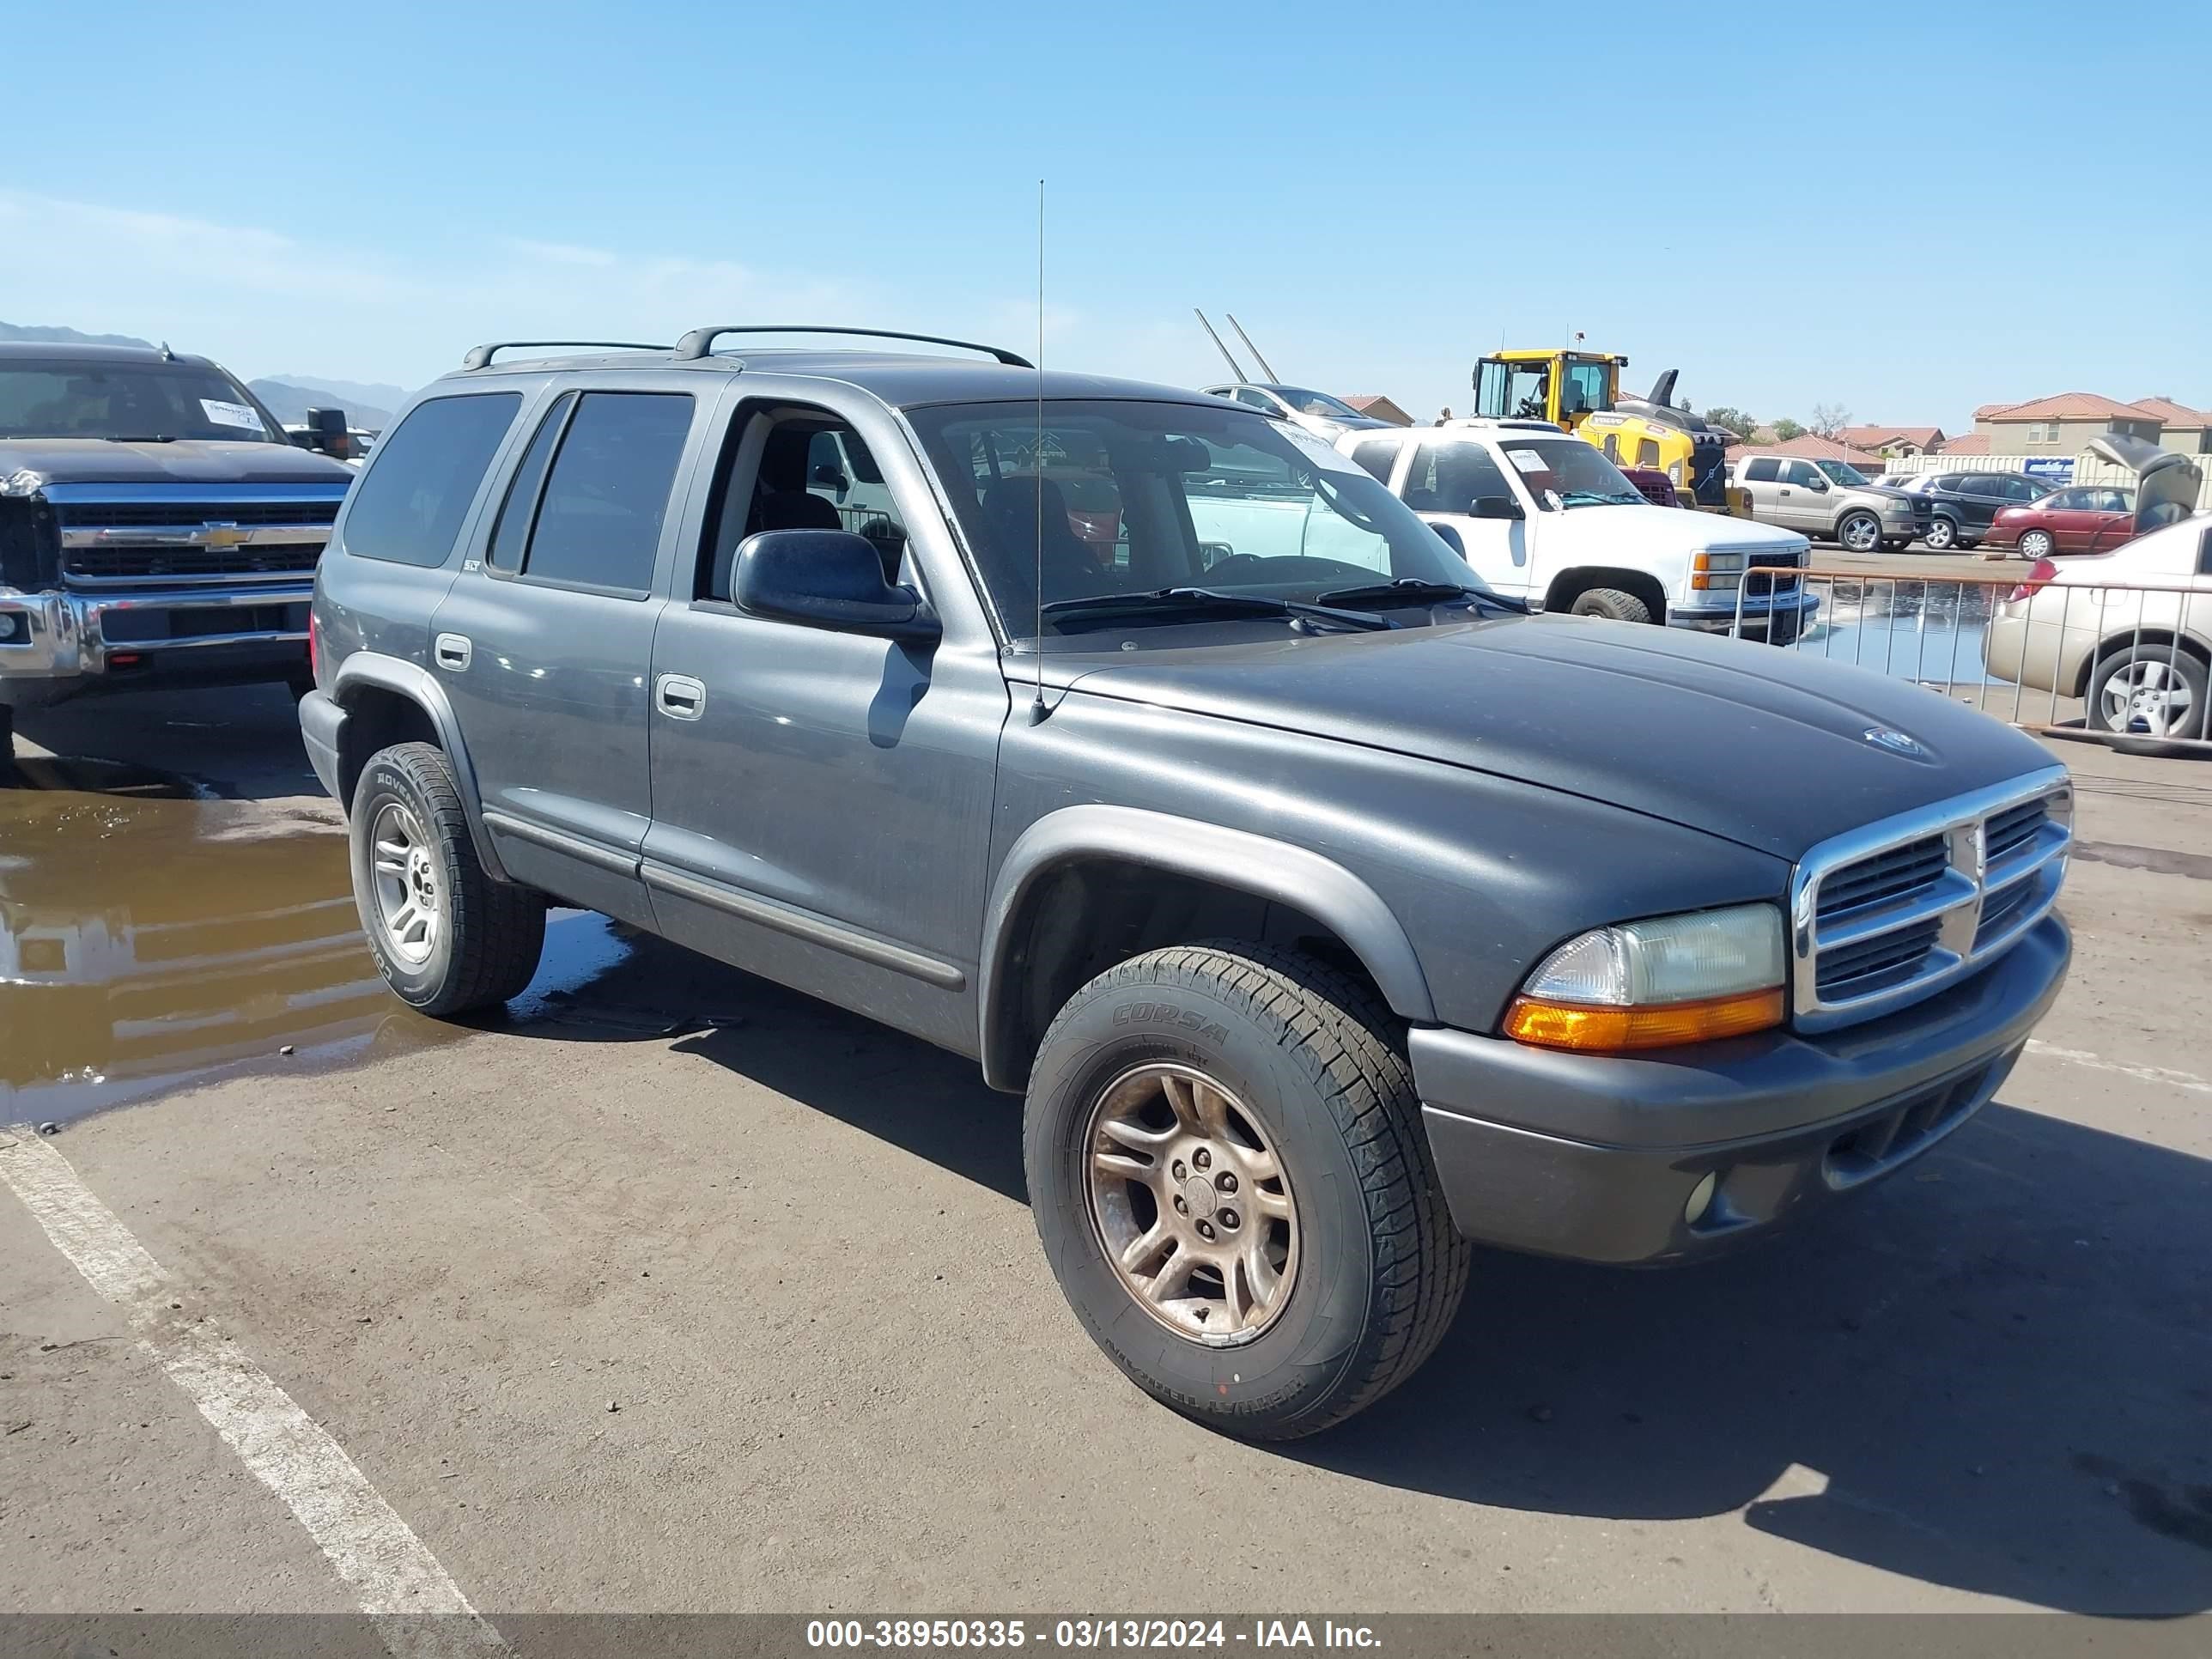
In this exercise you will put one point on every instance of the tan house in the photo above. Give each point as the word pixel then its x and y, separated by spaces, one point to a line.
pixel 2062 425
pixel 2187 431
pixel 1381 408
pixel 1894 441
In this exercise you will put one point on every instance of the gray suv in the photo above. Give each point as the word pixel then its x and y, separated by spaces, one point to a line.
pixel 1330 911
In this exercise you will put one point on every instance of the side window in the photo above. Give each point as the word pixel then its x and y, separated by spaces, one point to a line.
pixel 1798 472
pixel 410 506
pixel 1255 399
pixel 598 520
pixel 1647 451
pixel 1763 469
pixel 802 472
pixel 1377 455
pixel 2067 500
pixel 1456 476
pixel 2024 490
pixel 521 507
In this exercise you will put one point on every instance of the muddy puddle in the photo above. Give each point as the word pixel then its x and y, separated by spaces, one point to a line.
pixel 150 939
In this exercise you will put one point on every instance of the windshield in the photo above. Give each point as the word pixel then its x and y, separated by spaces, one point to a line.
pixel 1317 403
pixel 127 402
pixel 1842 472
pixel 1139 497
pixel 1575 473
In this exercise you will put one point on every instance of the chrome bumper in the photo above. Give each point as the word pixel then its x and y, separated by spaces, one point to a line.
pixel 60 636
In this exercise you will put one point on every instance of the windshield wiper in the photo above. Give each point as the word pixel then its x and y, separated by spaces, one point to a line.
pixel 1415 589
pixel 1181 603
pixel 156 438
pixel 1598 498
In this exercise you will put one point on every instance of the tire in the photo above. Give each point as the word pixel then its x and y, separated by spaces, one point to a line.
pixel 1940 533
pixel 2167 686
pixel 1297 1061
pixel 1610 602
pixel 2036 544
pixel 1858 532
pixel 476 941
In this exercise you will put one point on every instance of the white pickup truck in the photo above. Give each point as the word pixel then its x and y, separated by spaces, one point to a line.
pixel 1546 518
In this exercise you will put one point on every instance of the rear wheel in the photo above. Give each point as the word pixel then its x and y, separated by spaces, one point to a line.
pixel 1941 535
pixel 2036 544
pixel 448 938
pixel 2149 689
pixel 1231 1179
pixel 1610 602
pixel 1859 532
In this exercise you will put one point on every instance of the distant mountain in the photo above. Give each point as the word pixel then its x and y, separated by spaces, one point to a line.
pixel 37 335
pixel 289 402
pixel 372 394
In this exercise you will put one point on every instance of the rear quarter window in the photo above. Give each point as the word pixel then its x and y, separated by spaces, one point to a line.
pixel 409 506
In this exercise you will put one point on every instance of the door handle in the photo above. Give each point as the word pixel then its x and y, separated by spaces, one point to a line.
pixel 452 651
pixel 679 697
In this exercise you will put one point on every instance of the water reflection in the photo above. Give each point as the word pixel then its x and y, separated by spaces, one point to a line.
pixel 1916 630
pixel 147 943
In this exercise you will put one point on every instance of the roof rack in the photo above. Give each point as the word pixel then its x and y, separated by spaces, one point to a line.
pixel 700 341
pixel 481 357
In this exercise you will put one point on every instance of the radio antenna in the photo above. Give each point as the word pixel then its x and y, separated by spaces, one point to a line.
pixel 1266 367
pixel 1236 369
pixel 1036 468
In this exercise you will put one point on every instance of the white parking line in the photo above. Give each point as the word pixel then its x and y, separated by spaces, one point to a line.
pixel 418 1610
pixel 2166 1075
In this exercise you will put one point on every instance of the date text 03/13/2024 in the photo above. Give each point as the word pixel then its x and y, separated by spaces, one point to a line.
pixel 1085 1634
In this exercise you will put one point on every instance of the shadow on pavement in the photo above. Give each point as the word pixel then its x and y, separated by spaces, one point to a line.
pixel 239 743
pixel 1994 1373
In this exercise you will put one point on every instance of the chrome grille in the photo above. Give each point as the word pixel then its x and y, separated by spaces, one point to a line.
pixel 1889 915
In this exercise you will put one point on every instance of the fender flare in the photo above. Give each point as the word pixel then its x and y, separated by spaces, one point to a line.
pixel 416 683
pixel 1258 865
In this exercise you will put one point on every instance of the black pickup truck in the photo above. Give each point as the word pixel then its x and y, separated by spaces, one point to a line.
pixel 157 527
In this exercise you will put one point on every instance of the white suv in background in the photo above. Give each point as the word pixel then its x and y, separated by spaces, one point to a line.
pixel 1548 519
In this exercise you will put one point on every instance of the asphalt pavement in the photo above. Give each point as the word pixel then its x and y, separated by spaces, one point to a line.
pixel 673 1290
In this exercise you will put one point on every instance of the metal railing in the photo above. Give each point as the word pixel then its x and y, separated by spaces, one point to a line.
pixel 2121 662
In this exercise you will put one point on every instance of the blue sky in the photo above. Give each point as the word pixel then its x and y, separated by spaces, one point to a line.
pixel 1906 216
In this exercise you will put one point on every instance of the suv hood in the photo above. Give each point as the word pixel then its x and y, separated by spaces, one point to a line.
pixel 94 460
pixel 1752 742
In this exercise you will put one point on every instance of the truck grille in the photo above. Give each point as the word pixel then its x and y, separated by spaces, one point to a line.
pixel 119 515
pixel 189 536
pixel 124 561
pixel 1886 915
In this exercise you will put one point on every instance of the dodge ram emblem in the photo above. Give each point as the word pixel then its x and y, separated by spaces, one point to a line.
pixel 1881 737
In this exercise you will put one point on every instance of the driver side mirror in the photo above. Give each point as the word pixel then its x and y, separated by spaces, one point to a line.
pixel 826 476
pixel 1819 486
pixel 826 579
pixel 1494 507
pixel 1449 538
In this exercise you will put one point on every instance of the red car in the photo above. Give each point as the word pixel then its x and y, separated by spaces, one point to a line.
pixel 2086 518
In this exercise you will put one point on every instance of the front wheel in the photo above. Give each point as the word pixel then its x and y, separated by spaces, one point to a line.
pixel 1610 602
pixel 2149 689
pixel 1859 532
pixel 1231 1179
pixel 1942 533
pixel 448 938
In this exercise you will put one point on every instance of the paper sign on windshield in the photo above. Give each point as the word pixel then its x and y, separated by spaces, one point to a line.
pixel 1528 460
pixel 1319 452
pixel 238 414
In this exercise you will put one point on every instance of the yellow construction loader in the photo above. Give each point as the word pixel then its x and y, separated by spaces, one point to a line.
pixel 1579 392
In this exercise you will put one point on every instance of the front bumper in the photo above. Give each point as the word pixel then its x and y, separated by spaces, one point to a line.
pixel 1597 1158
pixel 1793 611
pixel 55 644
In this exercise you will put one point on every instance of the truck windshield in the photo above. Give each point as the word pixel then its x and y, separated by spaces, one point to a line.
pixel 1842 472
pixel 1132 498
pixel 1566 472
pixel 128 402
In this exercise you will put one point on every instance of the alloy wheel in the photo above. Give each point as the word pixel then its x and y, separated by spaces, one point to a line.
pixel 404 874
pixel 1191 1204
pixel 1861 535
pixel 2035 544
pixel 2147 690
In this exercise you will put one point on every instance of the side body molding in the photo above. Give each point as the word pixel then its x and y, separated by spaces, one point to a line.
pixel 363 668
pixel 1266 868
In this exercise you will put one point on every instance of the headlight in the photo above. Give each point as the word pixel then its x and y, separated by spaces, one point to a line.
pixel 1674 473
pixel 1690 978
pixel 1707 572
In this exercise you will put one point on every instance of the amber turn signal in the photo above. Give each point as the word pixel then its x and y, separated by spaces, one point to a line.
pixel 1594 1030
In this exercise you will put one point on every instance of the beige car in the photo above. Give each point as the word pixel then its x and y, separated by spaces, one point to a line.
pixel 2129 632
